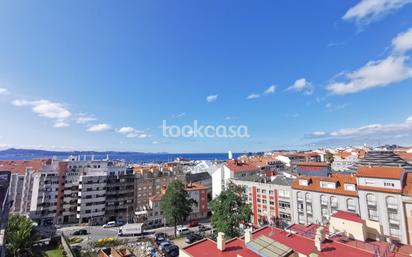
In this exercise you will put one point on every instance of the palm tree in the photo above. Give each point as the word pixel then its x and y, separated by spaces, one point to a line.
pixel 20 236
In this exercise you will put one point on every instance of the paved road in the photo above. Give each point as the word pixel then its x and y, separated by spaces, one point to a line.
pixel 98 232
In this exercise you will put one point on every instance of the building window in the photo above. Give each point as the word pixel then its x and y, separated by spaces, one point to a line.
pixel 350 187
pixel 308 197
pixel 299 196
pixel 351 205
pixel 373 214
pixel 389 184
pixel 303 182
pixel 325 184
pixel 371 200
pixel 323 200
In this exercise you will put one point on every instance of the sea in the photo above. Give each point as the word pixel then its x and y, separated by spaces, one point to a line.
pixel 129 157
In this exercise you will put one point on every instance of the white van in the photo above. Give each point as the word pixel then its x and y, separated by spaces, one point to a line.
pixel 182 231
pixel 110 224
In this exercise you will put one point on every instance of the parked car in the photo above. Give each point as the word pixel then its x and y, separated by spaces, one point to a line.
pixel 160 234
pixel 171 251
pixel 110 224
pixel 191 238
pixel 203 228
pixel 80 232
pixel 193 223
pixel 165 243
pixel 183 231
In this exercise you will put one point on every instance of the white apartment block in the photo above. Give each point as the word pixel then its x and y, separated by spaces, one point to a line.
pixel 232 169
pixel 316 198
pixel 380 199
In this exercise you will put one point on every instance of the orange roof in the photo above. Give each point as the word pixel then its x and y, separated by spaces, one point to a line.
pixel 323 164
pixel 314 184
pixel 380 172
pixel 237 166
pixel 343 154
pixel 20 166
pixel 407 189
pixel 195 187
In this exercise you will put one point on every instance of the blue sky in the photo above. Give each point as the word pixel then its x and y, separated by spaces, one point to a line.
pixel 103 75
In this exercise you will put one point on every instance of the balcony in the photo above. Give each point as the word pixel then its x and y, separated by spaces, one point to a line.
pixel 371 203
pixel 392 206
pixel 394 221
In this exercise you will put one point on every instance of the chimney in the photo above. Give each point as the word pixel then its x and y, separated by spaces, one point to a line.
pixel 319 238
pixel 221 244
pixel 248 235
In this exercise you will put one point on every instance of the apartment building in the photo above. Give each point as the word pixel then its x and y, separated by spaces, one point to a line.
pixel 344 160
pixel 231 169
pixel 120 195
pixel 270 198
pixel 197 192
pixel 150 179
pixel 316 198
pixel 21 171
pixel 203 178
pixel 4 207
pixel 90 190
pixel 380 200
pixel 407 205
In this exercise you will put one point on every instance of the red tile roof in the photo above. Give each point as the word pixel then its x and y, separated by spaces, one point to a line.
pixel 348 216
pixel 208 248
pixel 20 166
pixel 339 179
pixel 380 172
pixel 300 244
pixel 237 166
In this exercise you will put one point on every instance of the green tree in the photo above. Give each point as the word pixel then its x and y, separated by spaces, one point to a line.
pixel 20 236
pixel 229 210
pixel 329 157
pixel 176 203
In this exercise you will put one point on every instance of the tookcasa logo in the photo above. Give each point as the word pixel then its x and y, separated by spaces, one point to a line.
pixel 208 131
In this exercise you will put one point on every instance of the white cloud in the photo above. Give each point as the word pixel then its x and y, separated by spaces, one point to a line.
pixel 83 118
pixel 330 107
pixel 4 146
pixel 252 96
pixel 367 11
pixel 3 91
pixel 270 90
pixel 60 124
pixel 211 98
pixel 132 132
pixel 374 74
pixel 47 109
pixel 319 133
pixel 403 42
pixel 99 127
pixel 371 130
pixel 302 85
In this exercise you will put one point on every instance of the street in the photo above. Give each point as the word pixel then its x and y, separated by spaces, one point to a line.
pixel 97 232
